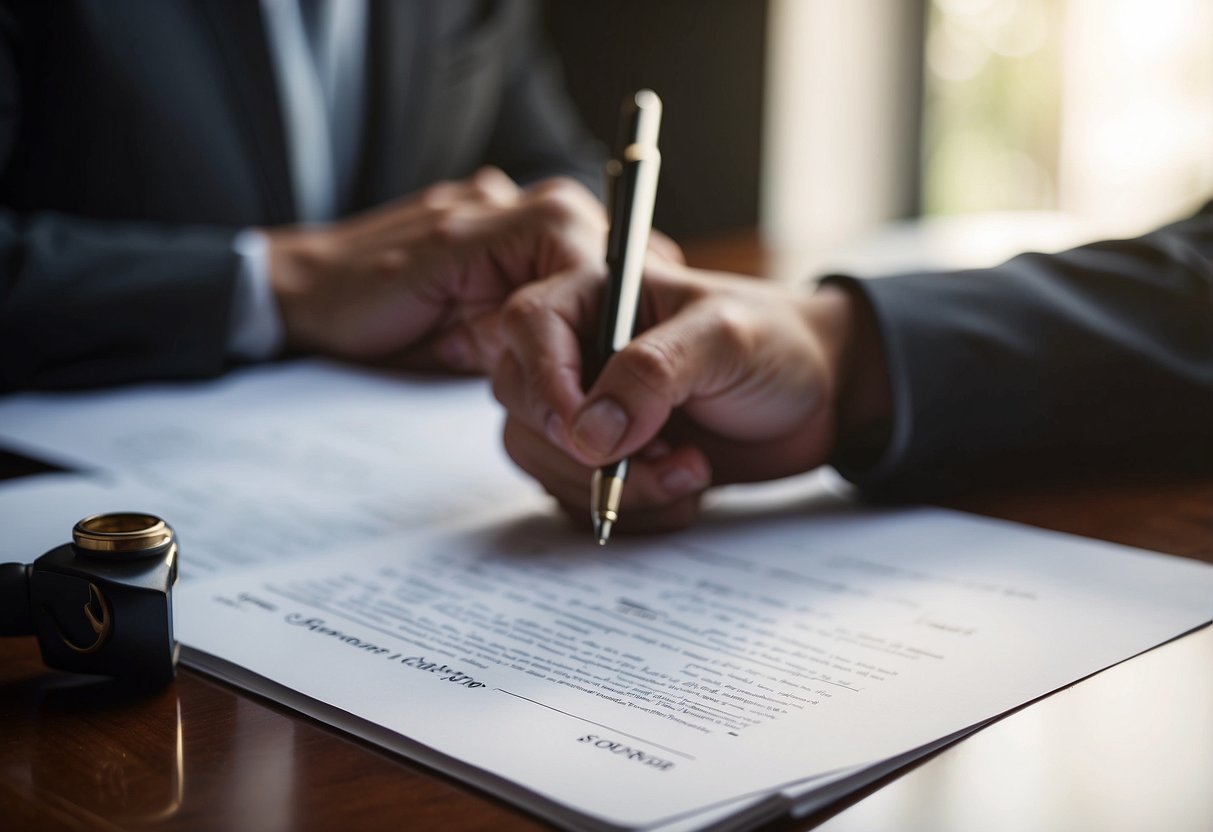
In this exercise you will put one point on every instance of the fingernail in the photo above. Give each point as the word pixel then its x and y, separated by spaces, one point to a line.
pixel 600 427
pixel 655 450
pixel 553 426
pixel 680 481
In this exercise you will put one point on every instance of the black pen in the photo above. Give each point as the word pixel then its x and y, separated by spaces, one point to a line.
pixel 632 193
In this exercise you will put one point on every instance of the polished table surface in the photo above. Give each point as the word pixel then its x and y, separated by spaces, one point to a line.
pixel 1130 748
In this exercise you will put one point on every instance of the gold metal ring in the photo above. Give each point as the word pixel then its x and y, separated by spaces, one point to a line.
pixel 121 531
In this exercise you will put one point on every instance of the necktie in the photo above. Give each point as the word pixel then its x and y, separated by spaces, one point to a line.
pixel 318 46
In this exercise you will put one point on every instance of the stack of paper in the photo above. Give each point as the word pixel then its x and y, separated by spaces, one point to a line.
pixel 358 547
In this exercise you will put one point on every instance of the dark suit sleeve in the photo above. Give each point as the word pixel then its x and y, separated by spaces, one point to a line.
pixel 538 133
pixel 89 303
pixel 1093 359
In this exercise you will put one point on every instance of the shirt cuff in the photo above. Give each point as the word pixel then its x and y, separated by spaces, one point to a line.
pixel 256 324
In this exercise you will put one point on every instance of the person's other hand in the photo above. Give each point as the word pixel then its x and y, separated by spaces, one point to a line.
pixel 733 380
pixel 405 280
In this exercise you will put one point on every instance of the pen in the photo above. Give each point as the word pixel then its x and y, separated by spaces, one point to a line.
pixel 632 192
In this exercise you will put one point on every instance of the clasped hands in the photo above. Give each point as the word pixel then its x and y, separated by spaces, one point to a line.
pixel 729 379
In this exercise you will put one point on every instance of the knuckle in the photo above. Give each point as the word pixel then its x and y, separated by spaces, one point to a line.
pixel 650 364
pixel 560 199
pixel 555 209
pixel 435 196
pixel 489 179
pixel 557 185
pixel 520 312
pixel 732 328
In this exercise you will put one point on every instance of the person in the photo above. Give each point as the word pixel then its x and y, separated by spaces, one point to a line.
pixel 913 386
pixel 188 185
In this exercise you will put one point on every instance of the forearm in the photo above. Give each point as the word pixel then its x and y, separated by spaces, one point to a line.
pixel 1101 357
pixel 89 303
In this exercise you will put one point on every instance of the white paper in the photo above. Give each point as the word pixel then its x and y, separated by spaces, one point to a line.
pixel 38 512
pixel 732 661
pixel 276 462
pixel 793 646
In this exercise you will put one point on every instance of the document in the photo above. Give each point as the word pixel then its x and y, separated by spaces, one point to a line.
pixel 274 461
pixel 630 686
pixel 357 546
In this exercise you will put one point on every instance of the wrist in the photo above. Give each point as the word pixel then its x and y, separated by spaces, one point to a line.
pixel 299 259
pixel 863 404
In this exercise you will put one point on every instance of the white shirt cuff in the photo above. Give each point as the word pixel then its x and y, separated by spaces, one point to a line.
pixel 256 329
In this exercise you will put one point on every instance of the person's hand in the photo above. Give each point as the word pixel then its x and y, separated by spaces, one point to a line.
pixel 733 380
pixel 404 281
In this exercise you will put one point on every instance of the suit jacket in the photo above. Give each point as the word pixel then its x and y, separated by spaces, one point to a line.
pixel 1093 359
pixel 136 136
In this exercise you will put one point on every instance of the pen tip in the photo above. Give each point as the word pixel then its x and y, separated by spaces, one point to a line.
pixel 603 531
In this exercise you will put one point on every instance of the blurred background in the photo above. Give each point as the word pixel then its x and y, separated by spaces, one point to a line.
pixel 844 130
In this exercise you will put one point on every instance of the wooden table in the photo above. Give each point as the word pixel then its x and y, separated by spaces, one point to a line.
pixel 1131 748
